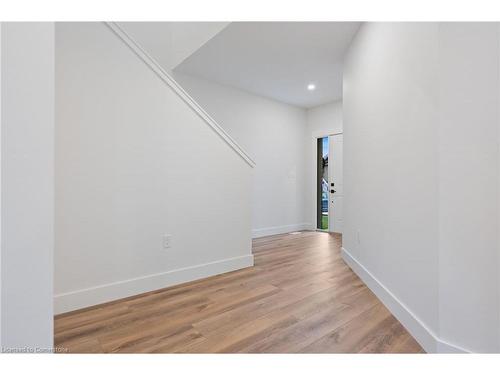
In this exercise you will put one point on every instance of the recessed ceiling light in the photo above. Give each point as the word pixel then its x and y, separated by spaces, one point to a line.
pixel 311 87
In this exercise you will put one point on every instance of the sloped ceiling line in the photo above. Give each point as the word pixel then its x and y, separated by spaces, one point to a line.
pixel 165 77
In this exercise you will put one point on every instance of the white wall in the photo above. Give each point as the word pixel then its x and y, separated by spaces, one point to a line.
pixel 421 176
pixel 321 121
pixel 273 133
pixel 1 168
pixel 27 166
pixel 468 185
pixel 390 159
pixel 135 162
pixel 325 119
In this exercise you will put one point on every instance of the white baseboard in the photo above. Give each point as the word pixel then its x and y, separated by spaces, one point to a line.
pixel 78 299
pixel 270 231
pixel 423 334
pixel 447 348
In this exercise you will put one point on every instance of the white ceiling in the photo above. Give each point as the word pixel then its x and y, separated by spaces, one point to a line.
pixel 171 42
pixel 277 59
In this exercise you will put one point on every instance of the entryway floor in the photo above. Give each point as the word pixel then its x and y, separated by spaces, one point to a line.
pixel 300 297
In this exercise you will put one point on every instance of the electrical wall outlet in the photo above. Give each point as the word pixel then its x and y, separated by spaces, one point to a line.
pixel 167 241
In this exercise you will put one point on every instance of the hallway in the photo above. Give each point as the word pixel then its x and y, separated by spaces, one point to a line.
pixel 299 297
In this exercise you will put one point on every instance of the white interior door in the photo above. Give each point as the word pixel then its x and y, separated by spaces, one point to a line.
pixel 336 182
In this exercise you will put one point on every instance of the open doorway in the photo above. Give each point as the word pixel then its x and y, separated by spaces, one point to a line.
pixel 329 183
pixel 322 185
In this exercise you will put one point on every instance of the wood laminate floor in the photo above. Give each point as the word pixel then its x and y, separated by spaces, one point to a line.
pixel 300 297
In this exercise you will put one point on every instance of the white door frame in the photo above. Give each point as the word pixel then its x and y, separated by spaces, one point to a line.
pixel 314 142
